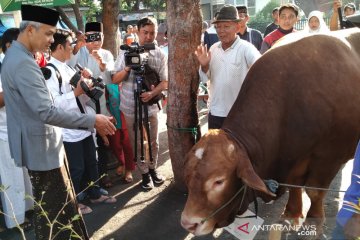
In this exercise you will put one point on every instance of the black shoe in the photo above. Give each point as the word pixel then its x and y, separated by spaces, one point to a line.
pixel 157 178
pixel 147 183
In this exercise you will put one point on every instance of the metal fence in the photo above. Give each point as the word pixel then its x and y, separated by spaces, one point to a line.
pixel 300 25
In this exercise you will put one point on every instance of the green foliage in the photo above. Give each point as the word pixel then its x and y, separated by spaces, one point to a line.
pixel 158 5
pixel 263 17
pixel 94 9
pixel 153 5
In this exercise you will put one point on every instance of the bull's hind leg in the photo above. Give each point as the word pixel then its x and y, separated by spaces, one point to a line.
pixel 293 209
pixel 316 216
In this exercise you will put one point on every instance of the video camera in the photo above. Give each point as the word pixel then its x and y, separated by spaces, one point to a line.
pixel 135 55
pixel 93 37
pixel 94 93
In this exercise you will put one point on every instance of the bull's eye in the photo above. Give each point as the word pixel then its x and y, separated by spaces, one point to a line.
pixel 219 182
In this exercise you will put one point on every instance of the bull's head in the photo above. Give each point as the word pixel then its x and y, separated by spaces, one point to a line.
pixel 216 168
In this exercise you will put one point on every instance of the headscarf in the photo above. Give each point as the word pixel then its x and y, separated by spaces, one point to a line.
pixel 322 27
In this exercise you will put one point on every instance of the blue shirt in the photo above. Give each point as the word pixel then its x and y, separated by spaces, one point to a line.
pixel 352 194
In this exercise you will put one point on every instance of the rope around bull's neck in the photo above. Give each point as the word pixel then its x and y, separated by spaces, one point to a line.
pixel 227 203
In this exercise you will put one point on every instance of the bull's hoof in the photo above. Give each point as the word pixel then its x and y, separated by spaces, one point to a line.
pixel 292 219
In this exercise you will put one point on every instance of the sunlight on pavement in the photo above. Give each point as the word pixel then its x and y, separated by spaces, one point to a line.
pixel 345 179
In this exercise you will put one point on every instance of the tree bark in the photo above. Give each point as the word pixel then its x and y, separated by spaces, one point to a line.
pixel 78 16
pixel 111 25
pixel 184 23
pixel 65 18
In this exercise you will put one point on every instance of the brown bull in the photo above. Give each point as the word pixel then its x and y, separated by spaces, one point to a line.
pixel 296 120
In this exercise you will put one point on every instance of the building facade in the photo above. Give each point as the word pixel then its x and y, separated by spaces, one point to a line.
pixel 210 7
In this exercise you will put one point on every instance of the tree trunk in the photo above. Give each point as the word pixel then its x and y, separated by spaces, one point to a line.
pixel 184 23
pixel 78 16
pixel 111 25
pixel 65 19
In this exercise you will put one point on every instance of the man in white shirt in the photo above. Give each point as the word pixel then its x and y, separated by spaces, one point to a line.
pixel 79 144
pixel 226 64
pixel 100 62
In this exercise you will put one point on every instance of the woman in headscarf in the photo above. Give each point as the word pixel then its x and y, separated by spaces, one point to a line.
pixel 316 23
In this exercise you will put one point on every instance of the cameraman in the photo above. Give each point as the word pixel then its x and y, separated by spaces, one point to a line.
pixel 157 61
pixel 349 9
pixel 79 144
pixel 100 62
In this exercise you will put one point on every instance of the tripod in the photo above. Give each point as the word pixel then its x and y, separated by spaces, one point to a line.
pixel 141 117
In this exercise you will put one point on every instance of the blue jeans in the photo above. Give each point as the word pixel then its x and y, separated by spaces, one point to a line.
pixel 338 233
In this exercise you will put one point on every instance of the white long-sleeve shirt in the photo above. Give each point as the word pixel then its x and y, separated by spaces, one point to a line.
pixel 67 100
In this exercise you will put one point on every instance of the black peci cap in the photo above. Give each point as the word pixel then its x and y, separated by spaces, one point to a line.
pixel 94 27
pixel 39 14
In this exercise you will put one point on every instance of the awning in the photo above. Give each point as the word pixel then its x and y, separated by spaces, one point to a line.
pixel 2 28
pixel 13 5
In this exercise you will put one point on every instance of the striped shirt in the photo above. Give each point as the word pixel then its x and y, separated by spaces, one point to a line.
pixel 157 61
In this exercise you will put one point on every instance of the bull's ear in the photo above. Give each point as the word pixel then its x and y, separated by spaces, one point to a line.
pixel 246 172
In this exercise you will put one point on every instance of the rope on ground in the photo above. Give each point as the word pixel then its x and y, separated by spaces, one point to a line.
pixel 193 130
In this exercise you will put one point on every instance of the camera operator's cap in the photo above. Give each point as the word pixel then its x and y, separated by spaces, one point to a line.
pixel 39 14
pixel 94 27
pixel 351 6
pixel 228 13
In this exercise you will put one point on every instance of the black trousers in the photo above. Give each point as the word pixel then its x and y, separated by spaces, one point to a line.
pixel 83 165
pixel 53 189
pixel 215 122
pixel 102 156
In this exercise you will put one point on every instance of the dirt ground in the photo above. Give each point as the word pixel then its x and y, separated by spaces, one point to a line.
pixel 155 214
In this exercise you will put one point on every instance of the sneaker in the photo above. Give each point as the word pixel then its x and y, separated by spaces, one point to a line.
pixel 157 178
pixel 147 183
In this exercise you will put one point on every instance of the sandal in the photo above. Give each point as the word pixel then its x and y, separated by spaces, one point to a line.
pixel 104 199
pixel 120 171
pixel 106 182
pixel 84 209
pixel 128 176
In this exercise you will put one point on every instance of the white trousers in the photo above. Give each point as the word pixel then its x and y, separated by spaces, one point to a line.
pixel 16 183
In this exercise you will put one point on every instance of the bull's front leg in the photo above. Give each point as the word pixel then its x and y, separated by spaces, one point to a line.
pixel 293 209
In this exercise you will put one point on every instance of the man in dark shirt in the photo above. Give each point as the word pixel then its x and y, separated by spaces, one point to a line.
pixel 275 24
pixel 287 18
pixel 210 35
pixel 245 33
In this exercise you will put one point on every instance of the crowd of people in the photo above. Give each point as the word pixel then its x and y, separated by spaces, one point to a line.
pixel 61 120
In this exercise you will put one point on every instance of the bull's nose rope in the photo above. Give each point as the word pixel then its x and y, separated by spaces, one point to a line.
pixel 227 203
pixel 274 185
